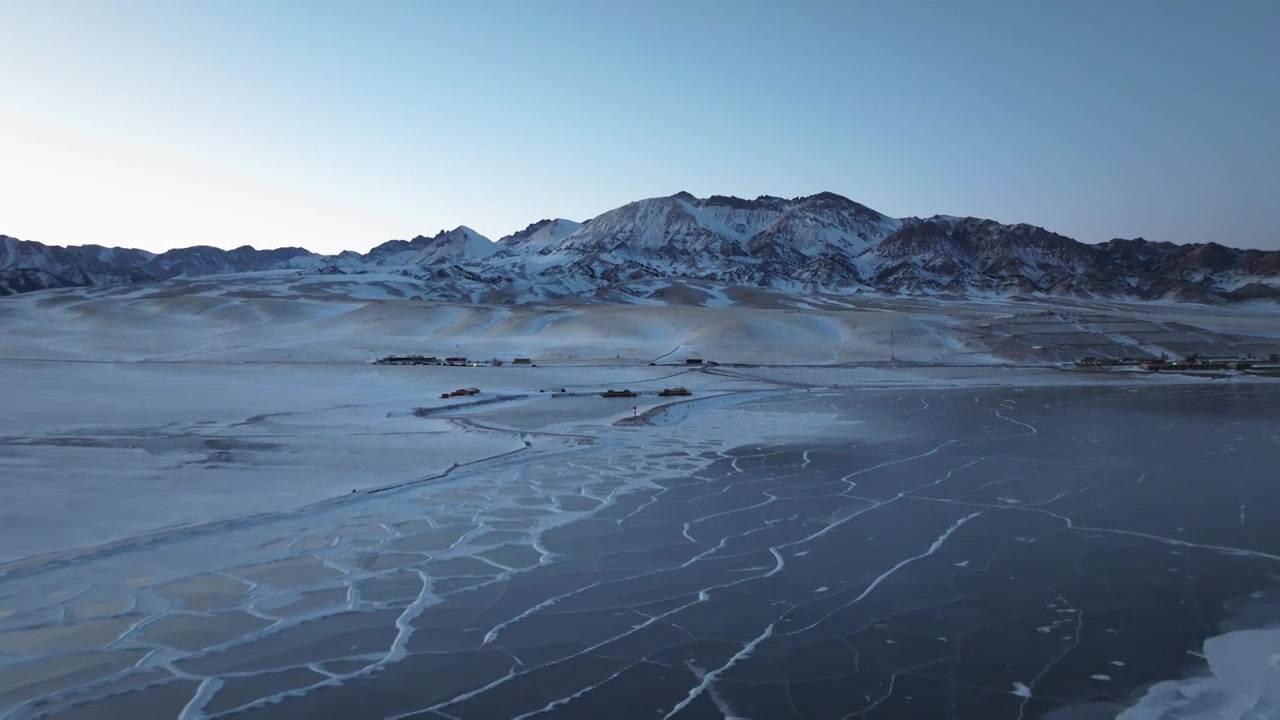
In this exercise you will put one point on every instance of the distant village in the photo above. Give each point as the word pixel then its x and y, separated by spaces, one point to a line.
pixel 459 361
pixel 448 361
pixel 1269 365
pixel 492 362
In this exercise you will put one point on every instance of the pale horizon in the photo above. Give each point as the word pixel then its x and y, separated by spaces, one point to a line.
pixel 365 246
pixel 335 127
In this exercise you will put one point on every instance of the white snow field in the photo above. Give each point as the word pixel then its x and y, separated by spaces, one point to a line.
pixel 1243 682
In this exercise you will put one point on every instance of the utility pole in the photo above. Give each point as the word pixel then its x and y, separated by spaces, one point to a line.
pixel 892 358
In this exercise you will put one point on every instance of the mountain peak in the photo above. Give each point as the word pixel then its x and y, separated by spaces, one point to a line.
pixel 460 231
pixel 685 196
pixel 730 201
pixel 466 231
pixel 457 245
pixel 539 235
pixel 826 197
pixel 830 200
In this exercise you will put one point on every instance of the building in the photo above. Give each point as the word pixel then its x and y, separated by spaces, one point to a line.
pixel 618 393
pixel 693 361
pixel 456 360
pixel 406 360
pixel 674 392
pixel 522 361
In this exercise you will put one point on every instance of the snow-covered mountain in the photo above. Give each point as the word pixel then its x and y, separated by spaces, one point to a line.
pixel 27 266
pixel 820 243
pixel 767 242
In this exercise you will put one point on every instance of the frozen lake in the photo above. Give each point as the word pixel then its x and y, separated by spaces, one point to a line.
pixel 982 553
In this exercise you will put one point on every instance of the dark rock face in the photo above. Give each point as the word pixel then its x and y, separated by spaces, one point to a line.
pixel 729 201
pixel 514 239
pixel 823 242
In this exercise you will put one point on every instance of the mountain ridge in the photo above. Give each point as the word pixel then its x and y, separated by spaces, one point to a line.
pixel 823 242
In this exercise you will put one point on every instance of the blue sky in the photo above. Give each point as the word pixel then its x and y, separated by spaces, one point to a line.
pixel 337 125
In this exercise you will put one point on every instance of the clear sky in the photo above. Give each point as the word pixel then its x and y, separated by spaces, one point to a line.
pixel 337 125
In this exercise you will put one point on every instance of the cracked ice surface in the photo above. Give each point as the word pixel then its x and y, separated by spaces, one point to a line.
pixel 951 554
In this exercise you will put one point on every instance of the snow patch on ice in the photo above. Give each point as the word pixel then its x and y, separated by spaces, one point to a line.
pixel 1243 682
